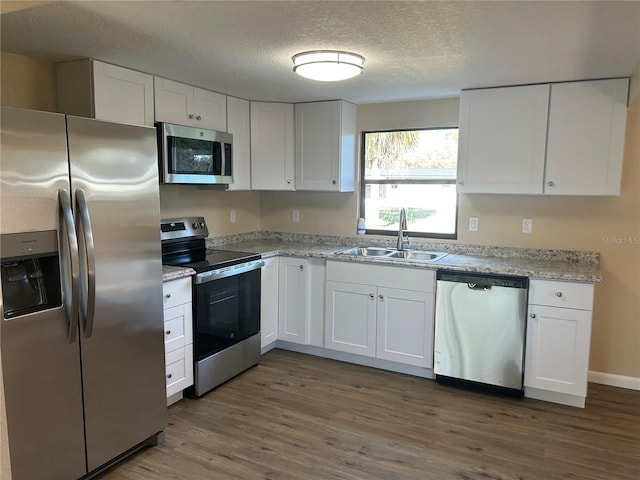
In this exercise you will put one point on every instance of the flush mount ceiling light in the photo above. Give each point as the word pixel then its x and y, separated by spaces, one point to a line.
pixel 328 65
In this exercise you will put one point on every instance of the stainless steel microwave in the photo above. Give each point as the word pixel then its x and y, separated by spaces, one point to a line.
pixel 191 155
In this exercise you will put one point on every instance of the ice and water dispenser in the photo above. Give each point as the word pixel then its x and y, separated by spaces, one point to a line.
pixel 30 273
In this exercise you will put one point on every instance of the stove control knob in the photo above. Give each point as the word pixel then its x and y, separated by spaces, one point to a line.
pixel 201 224
pixel 195 225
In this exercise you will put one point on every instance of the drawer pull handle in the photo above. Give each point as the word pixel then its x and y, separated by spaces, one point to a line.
pixel 533 315
pixel 168 332
pixel 169 376
pixel 558 294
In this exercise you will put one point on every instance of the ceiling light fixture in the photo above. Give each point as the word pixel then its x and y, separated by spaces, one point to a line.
pixel 328 65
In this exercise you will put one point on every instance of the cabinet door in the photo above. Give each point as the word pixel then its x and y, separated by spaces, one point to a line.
pixel 174 102
pixel 557 350
pixel 239 124
pixel 122 95
pixel 586 137
pixel 405 326
pixel 272 151
pixel 350 318
pixel 269 302
pixel 292 306
pixel 210 109
pixel 502 140
pixel 325 146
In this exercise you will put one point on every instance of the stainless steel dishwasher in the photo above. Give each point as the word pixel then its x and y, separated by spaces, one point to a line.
pixel 480 330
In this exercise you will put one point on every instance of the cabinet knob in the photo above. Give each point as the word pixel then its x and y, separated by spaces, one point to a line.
pixel 371 296
pixel 558 294
pixel 301 267
pixel 168 332
pixel 550 183
pixel 334 182
pixel 169 376
pixel 191 116
pixel 460 182
pixel 198 118
pixel 381 297
pixel 533 315
pixel 168 295
pixel 289 181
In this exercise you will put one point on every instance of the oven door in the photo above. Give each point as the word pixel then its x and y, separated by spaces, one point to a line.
pixel 227 311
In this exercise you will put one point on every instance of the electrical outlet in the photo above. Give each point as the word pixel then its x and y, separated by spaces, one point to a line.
pixel 473 224
pixel 232 216
pixel 295 216
pixel 527 225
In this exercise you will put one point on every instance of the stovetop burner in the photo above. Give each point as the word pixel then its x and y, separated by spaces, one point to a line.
pixel 215 259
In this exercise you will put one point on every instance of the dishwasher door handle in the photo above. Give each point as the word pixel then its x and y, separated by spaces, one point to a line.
pixel 475 286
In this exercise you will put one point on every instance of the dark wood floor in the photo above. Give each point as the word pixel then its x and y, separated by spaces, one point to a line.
pixel 302 417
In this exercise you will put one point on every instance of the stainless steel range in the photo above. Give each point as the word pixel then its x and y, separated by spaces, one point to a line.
pixel 226 302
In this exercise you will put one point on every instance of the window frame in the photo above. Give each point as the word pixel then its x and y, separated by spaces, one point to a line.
pixel 363 187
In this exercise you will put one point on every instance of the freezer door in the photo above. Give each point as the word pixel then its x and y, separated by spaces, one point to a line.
pixel 40 367
pixel 115 168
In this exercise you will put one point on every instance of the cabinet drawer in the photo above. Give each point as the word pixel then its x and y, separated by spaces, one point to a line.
pixel 176 292
pixel 561 294
pixel 174 330
pixel 179 369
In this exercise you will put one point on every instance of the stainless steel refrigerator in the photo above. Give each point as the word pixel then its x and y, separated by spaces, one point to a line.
pixel 81 333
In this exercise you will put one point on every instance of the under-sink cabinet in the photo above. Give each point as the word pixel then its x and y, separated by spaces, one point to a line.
pixel 558 341
pixel 178 337
pixel 385 312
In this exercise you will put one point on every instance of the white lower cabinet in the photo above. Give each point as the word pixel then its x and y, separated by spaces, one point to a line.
pixel 269 302
pixel 178 335
pixel 558 341
pixel 379 311
pixel 301 300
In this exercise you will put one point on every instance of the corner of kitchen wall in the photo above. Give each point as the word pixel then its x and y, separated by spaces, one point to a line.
pixel 27 82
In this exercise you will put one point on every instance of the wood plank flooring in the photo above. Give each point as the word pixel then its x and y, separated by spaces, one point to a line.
pixel 296 416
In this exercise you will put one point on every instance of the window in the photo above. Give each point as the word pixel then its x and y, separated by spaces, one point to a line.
pixel 414 169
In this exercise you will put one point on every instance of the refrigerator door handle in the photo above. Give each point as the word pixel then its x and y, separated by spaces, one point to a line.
pixel 88 296
pixel 71 301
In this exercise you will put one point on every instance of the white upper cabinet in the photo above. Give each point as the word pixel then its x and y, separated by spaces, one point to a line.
pixel 555 139
pixel 502 135
pixel 586 137
pixel 239 124
pixel 272 147
pixel 325 146
pixel 186 105
pixel 94 89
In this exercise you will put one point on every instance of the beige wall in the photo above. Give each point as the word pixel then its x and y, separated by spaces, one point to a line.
pixel 27 83
pixel 214 205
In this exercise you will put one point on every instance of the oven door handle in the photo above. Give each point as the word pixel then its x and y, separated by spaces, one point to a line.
pixel 231 271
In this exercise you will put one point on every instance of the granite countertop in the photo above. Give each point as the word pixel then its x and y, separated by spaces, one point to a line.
pixel 534 263
pixel 174 273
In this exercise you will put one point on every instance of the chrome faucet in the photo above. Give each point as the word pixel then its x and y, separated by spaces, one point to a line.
pixel 403 239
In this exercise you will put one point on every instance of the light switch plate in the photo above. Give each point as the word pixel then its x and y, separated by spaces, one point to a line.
pixel 473 224
pixel 295 216
pixel 232 216
pixel 527 225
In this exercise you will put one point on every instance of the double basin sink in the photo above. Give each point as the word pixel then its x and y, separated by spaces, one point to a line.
pixel 381 252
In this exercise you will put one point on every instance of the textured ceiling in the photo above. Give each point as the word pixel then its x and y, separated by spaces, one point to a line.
pixel 413 50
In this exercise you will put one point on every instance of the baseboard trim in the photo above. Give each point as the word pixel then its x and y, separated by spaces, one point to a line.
pixel 632 383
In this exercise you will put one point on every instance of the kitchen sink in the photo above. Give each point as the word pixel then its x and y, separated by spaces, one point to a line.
pixel 417 255
pixel 381 252
pixel 369 251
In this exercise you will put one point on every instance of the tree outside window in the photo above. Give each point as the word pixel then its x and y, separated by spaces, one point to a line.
pixel 414 169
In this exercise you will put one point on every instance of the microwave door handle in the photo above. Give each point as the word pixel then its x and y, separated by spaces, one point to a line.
pixel 89 302
pixel 71 298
